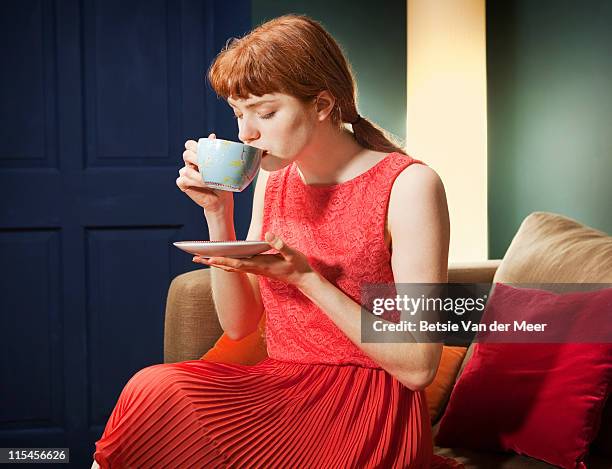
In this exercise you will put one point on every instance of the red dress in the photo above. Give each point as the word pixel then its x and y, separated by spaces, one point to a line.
pixel 318 401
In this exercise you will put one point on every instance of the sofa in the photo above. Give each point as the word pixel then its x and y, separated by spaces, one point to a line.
pixel 547 248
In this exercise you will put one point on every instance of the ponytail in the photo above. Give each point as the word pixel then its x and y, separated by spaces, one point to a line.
pixel 371 136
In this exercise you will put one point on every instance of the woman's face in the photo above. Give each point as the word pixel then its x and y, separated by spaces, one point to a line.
pixel 278 123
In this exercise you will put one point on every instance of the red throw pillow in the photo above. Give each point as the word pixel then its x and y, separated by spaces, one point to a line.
pixel 542 400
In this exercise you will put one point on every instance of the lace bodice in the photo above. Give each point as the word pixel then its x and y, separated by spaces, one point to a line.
pixel 341 229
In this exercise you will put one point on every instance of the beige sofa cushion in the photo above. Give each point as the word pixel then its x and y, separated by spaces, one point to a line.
pixel 191 326
pixel 550 248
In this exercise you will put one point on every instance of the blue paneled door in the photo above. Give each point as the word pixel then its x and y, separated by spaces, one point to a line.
pixel 97 99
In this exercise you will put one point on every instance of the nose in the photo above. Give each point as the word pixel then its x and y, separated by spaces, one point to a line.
pixel 247 131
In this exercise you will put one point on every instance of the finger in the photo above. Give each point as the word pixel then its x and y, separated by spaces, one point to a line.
pixel 222 267
pixel 190 157
pixel 191 145
pixel 278 244
pixel 181 183
pixel 190 173
pixel 184 179
pixel 185 183
pixel 202 260
pixel 212 136
pixel 227 262
pixel 235 265
pixel 192 166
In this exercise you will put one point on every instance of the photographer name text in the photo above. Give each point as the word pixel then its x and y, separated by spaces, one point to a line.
pixel 449 326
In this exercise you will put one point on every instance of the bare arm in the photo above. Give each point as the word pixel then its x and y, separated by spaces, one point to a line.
pixel 236 295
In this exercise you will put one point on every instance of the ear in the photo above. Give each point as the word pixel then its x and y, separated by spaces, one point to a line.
pixel 324 106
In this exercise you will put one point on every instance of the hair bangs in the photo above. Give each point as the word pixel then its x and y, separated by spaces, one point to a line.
pixel 239 71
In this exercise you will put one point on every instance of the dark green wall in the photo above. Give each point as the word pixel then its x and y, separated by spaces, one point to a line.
pixel 373 38
pixel 549 67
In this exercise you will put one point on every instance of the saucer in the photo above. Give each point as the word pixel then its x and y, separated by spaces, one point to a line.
pixel 235 249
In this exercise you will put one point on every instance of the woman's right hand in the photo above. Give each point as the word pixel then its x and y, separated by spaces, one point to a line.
pixel 190 182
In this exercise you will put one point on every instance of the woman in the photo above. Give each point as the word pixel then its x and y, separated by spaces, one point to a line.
pixel 341 208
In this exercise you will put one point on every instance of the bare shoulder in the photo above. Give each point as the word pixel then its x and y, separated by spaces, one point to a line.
pixel 417 198
pixel 416 180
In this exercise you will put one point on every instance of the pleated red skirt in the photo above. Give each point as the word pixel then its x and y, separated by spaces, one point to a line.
pixel 275 414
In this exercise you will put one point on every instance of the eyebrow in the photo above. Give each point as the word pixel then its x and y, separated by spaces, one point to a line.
pixel 249 106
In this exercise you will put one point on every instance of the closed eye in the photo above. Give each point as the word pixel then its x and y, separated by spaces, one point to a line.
pixel 265 116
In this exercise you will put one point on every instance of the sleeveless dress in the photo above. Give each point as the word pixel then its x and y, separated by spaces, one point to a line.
pixel 317 401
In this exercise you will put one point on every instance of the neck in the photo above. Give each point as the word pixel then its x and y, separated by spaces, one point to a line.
pixel 329 157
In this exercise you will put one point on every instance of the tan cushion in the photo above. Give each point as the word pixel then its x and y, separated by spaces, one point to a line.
pixel 551 248
pixel 191 325
pixel 472 272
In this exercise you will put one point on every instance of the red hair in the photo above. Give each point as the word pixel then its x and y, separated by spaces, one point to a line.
pixel 295 55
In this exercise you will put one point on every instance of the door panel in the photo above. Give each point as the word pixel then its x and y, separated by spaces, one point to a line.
pixel 97 100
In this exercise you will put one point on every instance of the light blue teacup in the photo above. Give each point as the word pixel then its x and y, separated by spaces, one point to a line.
pixel 226 165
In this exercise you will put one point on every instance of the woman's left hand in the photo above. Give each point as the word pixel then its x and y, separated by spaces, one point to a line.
pixel 289 265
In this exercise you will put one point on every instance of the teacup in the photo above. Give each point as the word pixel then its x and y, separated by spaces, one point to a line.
pixel 226 165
